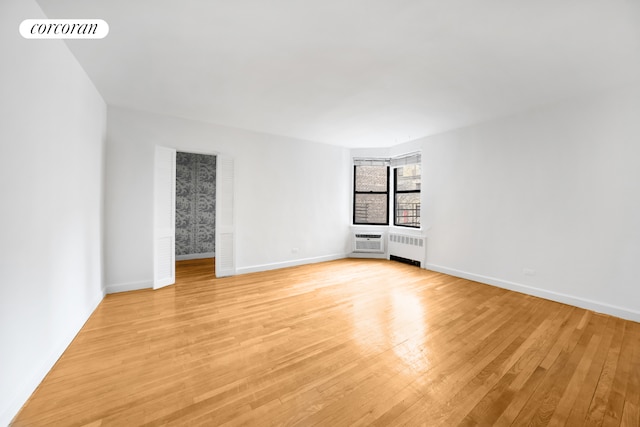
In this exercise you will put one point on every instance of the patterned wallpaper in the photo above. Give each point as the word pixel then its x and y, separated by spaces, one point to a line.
pixel 195 203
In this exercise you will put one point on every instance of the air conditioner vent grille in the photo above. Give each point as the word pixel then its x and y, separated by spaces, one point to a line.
pixel 367 246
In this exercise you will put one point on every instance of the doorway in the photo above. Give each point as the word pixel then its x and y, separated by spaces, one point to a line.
pixel 195 215
pixel 164 253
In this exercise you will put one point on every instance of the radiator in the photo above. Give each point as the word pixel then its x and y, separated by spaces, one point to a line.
pixel 408 248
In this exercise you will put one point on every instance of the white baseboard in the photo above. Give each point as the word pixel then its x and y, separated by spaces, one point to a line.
pixel 39 372
pixel 599 307
pixel 293 263
pixel 125 287
pixel 195 256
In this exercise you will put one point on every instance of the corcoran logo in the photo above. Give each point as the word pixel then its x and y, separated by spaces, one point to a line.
pixel 64 29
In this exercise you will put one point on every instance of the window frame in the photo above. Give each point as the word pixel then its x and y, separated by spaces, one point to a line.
pixel 395 199
pixel 355 192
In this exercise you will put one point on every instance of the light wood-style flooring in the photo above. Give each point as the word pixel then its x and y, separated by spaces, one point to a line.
pixel 348 342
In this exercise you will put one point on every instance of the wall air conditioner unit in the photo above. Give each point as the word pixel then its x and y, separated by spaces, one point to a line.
pixel 372 243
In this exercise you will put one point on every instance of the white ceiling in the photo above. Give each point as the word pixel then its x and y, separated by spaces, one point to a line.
pixel 355 73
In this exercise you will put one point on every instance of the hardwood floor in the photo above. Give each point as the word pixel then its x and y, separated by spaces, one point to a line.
pixel 349 342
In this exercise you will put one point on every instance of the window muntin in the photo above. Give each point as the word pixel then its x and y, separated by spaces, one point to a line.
pixel 371 195
pixel 406 203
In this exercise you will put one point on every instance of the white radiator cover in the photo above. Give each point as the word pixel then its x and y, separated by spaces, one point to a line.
pixel 409 247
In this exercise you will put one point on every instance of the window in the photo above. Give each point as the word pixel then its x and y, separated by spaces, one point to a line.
pixel 406 203
pixel 371 194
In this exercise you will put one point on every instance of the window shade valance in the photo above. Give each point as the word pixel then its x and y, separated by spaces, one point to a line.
pixel 362 161
pixel 406 159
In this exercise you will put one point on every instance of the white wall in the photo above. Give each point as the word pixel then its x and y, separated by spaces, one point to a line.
pixel 51 155
pixel 289 194
pixel 555 190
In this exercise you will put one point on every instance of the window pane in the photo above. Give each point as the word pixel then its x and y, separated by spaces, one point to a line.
pixel 371 209
pixel 408 209
pixel 408 178
pixel 371 178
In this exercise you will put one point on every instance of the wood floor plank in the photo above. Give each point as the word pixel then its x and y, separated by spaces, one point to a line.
pixel 348 342
pixel 523 364
pixel 574 403
pixel 630 415
pixel 597 407
pixel 542 405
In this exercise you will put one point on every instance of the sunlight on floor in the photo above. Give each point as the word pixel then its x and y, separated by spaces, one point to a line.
pixel 396 321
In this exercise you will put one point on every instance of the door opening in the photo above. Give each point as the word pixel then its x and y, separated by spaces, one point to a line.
pixel 210 228
pixel 195 215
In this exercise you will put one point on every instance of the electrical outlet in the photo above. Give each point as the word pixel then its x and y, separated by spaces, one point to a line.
pixel 528 271
pixel 295 250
